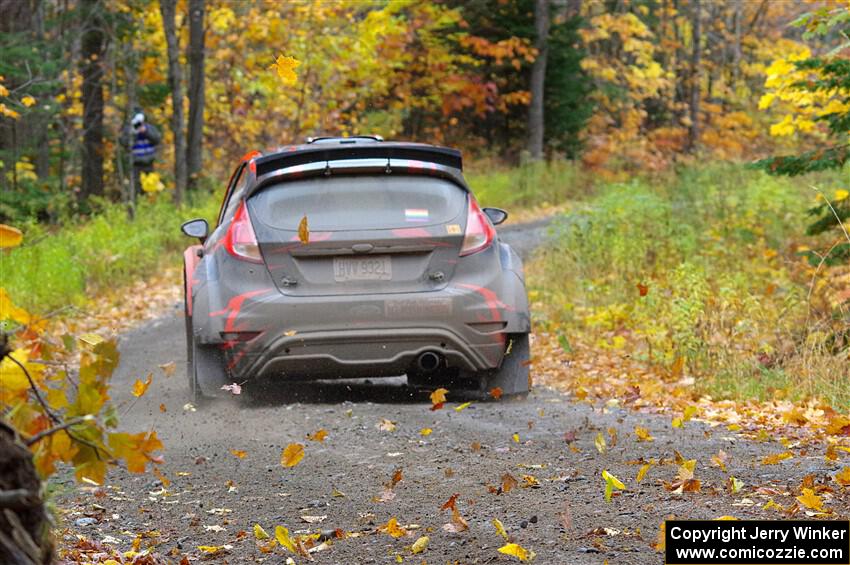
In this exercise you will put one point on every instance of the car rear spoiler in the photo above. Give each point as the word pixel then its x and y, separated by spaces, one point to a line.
pixel 444 156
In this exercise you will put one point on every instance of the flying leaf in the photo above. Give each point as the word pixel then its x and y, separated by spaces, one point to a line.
pixel 259 532
pixel 292 455
pixel 10 237
pixel 238 453
pixel 810 500
pixel 600 443
pixel 285 67
pixel 496 392
pixel 425 431
pixel 234 388
pixel 281 534
pixel 463 406
pixel 643 434
pixel 419 545
pixel 438 398
pixel 140 388
pixel 500 528
pixel 515 437
pixel 319 435
pixel 516 550
pixel 643 471
pixel 611 482
pixel 303 231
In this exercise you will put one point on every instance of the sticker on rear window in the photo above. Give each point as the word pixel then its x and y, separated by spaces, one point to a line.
pixel 416 214
pixel 453 229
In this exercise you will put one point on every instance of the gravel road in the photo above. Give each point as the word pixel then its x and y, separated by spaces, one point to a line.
pixel 558 511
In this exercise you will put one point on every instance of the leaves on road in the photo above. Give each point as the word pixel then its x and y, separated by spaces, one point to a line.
pixel 292 455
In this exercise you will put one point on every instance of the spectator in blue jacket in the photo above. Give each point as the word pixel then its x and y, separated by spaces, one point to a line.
pixel 142 138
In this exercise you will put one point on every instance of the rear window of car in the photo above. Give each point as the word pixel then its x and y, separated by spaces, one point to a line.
pixel 341 203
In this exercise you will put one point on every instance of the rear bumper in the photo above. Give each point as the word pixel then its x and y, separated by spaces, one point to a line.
pixel 369 352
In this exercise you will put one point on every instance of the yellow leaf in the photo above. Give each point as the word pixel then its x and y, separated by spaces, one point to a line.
pixel 516 550
pixel 843 478
pixel 425 431
pixel 643 434
pixel 392 528
pixel 151 183
pixel 281 534
pixel 611 482
pixel 238 453
pixel 292 455
pixel 690 411
pixel 28 101
pixel 212 549
pixel 10 237
pixel 285 67
pixel 810 500
pixel 840 195
pixel 776 458
pixel 677 423
pixel 515 437
pixel 140 388
pixel 319 435
pixel 500 528
pixel 259 532
pixel 642 472
pixel 303 231
pixel 462 406
pixel 438 396
pixel 419 545
pixel 600 443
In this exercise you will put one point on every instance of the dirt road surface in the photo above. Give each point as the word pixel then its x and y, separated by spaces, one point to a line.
pixel 557 510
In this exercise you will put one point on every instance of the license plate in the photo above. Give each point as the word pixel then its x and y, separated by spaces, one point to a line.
pixel 372 268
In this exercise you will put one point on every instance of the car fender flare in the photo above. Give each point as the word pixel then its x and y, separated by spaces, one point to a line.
pixel 514 292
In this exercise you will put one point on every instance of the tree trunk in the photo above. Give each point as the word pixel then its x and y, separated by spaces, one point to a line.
pixel 196 90
pixel 168 9
pixel 91 51
pixel 696 38
pixel 538 80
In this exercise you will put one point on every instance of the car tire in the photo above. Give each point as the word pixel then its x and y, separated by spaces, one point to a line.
pixel 513 375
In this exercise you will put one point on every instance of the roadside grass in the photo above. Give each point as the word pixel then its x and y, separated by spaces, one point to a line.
pixel 528 186
pixel 65 266
pixel 700 275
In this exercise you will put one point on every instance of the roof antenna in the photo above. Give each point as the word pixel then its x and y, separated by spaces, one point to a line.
pixel 389 169
pixel 327 168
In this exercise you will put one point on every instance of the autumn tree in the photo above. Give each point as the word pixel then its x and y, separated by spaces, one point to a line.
pixel 92 47
pixel 196 92
pixel 168 10
pixel 536 119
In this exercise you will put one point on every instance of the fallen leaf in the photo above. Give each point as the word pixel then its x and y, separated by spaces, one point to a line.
pixel 259 532
pixel 496 392
pixel 168 368
pixel 463 406
pixel 843 477
pixel 162 408
pixel 292 455
pixel 314 519
pixel 776 458
pixel 419 545
pixel 425 431
pixel 281 534
pixel 516 550
pixel 810 500
pixel 643 434
pixel 642 472
pixel 318 435
pixel 238 453
pixel 508 482
pixel 393 528
pixel 500 528
pixel 720 459
pixel 735 485
pixel 515 437
pixel 386 425
pixel 214 549
pixel 140 388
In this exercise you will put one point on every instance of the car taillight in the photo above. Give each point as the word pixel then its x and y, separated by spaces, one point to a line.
pixel 240 240
pixel 480 233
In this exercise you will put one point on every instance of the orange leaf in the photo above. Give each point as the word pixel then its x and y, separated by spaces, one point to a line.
pixel 140 388
pixel 292 455
pixel 496 392
pixel 319 435
pixel 303 231
pixel 238 453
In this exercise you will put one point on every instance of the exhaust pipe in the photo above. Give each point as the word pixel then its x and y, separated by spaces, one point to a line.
pixel 428 362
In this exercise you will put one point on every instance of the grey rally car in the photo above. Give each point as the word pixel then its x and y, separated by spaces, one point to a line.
pixel 349 258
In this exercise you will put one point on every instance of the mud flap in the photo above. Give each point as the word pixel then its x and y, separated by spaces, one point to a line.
pixel 208 372
pixel 513 377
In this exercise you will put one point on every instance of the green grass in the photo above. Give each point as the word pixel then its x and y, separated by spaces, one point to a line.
pixel 63 266
pixel 532 185
pixel 727 292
